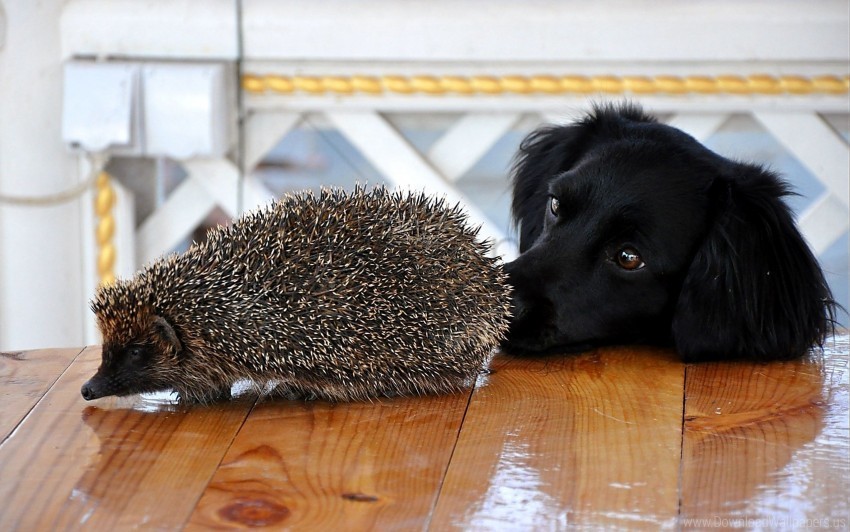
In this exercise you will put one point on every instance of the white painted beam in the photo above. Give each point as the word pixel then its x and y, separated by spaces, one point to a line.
pixel 255 193
pixel 814 143
pixel 553 106
pixel 220 179
pixel 402 165
pixel 567 30
pixel 698 125
pixel 186 207
pixel 824 222
pixel 174 29
pixel 468 140
pixel 263 130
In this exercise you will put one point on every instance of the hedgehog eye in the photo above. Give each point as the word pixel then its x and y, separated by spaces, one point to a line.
pixel 628 258
pixel 135 352
pixel 554 205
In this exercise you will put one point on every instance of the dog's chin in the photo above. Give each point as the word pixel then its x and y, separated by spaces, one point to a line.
pixel 523 342
pixel 519 347
pixel 532 333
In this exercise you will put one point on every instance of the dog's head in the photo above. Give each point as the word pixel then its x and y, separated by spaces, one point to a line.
pixel 632 231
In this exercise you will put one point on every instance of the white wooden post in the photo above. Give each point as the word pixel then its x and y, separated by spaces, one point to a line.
pixel 41 294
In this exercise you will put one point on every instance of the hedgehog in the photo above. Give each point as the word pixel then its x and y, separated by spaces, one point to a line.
pixel 338 296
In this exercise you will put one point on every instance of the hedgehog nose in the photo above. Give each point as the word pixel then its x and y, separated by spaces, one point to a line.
pixel 88 392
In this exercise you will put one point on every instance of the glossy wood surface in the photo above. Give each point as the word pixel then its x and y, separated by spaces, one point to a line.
pixel 576 440
pixel 767 446
pixel 615 438
pixel 25 378
pixel 320 466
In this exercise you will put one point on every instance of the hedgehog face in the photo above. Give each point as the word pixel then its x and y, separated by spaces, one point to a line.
pixel 140 348
pixel 125 370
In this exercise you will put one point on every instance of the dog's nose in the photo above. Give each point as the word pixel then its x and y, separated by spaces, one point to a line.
pixel 510 269
pixel 517 306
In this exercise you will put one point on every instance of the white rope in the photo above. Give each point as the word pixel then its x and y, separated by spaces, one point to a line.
pixel 97 161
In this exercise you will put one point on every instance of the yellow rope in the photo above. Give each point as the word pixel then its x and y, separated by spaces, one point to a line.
pixel 757 84
pixel 104 200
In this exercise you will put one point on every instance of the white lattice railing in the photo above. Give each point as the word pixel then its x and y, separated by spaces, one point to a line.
pixel 802 132
pixel 343 68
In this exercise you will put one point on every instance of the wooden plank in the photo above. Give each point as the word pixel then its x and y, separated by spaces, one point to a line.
pixel 322 466
pixel 25 376
pixel 766 446
pixel 591 440
pixel 117 463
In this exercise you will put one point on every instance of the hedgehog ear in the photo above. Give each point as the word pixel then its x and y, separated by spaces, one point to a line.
pixel 167 333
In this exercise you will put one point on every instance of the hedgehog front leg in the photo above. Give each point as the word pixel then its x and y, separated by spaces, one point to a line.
pixel 190 397
pixel 291 392
pixel 224 394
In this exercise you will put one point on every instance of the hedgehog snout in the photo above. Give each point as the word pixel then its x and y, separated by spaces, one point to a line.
pixel 91 390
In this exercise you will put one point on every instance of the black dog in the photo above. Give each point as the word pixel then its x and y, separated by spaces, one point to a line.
pixel 633 232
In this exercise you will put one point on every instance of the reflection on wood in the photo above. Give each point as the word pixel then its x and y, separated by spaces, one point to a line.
pixel 614 438
pixel 70 465
pixel 320 466
pixel 767 445
pixel 24 378
pixel 569 440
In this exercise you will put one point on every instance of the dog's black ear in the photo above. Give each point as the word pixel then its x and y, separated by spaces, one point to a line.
pixel 754 289
pixel 544 154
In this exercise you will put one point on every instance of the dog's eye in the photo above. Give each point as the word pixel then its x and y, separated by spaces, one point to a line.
pixel 554 205
pixel 629 259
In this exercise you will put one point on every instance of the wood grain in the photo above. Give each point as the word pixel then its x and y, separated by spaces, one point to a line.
pixel 322 466
pixel 113 465
pixel 616 438
pixel 591 440
pixel 25 376
pixel 766 445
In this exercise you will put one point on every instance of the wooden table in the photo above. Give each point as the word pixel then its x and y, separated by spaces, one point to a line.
pixel 625 437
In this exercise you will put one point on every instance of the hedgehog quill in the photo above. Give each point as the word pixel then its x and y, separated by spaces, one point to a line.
pixel 339 296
